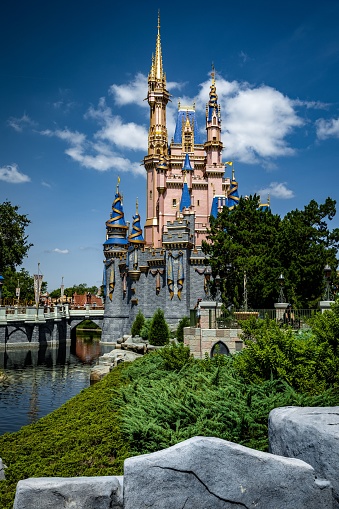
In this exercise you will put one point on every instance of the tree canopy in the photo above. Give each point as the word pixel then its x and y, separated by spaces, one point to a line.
pixel 13 241
pixel 262 245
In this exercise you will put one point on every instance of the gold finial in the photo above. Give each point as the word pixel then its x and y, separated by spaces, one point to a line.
pixel 233 177
pixel 185 180
pixel 213 74
pixel 137 207
pixel 118 185
pixel 158 56
pixel 268 199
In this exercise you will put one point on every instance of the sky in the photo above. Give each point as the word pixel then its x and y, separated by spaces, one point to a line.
pixel 73 116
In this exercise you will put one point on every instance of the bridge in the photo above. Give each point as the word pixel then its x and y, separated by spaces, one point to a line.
pixel 36 326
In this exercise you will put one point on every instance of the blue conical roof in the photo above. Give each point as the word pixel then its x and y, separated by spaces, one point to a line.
pixel 116 226
pixel 185 201
pixel 187 164
pixel 136 236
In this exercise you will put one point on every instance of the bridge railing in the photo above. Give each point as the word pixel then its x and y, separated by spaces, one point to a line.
pixel 32 313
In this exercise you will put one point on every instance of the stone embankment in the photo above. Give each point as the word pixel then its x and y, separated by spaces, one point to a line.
pixel 125 349
pixel 210 473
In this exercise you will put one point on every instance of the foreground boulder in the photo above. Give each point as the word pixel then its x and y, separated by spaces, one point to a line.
pixel 310 434
pixel 70 493
pixel 210 473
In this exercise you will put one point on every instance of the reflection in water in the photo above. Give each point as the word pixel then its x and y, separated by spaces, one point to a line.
pixel 39 381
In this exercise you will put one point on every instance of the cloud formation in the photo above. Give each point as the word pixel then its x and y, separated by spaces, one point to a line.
pixel 95 155
pixel 327 128
pixel 59 251
pixel 18 124
pixel 277 190
pixel 12 175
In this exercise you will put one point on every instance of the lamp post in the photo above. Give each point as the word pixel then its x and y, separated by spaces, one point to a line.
pixel 327 276
pixel 1 284
pixel 281 280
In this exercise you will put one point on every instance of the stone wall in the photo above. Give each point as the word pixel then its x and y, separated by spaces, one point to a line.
pixel 201 341
pixel 210 473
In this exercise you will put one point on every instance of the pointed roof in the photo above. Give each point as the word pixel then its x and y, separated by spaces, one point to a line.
pixel 187 113
pixel 157 72
pixel 213 102
pixel 136 235
pixel 185 201
pixel 116 226
pixel 187 164
pixel 218 203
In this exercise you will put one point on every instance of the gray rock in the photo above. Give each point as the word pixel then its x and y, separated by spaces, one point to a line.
pixel 2 470
pixel 310 434
pixel 69 493
pixel 210 473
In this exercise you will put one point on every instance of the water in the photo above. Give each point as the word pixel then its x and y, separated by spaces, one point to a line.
pixel 39 381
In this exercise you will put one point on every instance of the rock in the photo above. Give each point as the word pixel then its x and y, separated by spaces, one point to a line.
pixel 310 434
pixel 2 470
pixel 70 493
pixel 210 473
pixel 98 372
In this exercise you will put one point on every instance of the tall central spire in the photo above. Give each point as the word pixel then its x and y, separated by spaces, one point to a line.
pixel 159 74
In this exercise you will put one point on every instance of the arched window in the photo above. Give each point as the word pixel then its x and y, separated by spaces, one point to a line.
pixel 219 348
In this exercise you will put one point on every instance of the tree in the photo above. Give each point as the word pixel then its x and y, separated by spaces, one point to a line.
pixel 262 245
pixel 159 331
pixel 13 241
pixel 138 324
pixel 22 279
pixel 184 322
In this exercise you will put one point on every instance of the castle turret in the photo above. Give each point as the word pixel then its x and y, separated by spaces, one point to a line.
pixel 116 229
pixel 157 98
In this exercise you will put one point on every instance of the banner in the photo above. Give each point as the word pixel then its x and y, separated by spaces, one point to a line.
pixel 37 287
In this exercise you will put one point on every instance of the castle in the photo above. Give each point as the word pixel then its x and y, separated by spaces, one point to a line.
pixel 186 184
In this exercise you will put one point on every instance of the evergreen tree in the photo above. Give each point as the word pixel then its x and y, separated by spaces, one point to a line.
pixel 138 324
pixel 184 322
pixel 263 245
pixel 159 330
pixel 13 241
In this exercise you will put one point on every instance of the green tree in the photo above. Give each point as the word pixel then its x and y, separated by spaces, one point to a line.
pixel 22 279
pixel 159 330
pixel 184 322
pixel 138 324
pixel 13 241
pixel 263 245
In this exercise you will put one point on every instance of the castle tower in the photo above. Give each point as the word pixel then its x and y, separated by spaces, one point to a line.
pixel 156 159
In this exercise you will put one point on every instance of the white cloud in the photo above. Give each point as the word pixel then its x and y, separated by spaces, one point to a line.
pixel 46 184
pixel 18 124
pixel 12 175
pixel 135 92
pixel 277 190
pixel 124 135
pixel 60 251
pixel 327 128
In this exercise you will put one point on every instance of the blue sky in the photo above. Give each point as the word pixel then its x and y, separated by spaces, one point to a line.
pixel 73 118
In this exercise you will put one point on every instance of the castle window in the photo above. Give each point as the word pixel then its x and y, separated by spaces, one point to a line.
pixel 198 203
pixel 214 138
pixel 150 195
pixel 174 202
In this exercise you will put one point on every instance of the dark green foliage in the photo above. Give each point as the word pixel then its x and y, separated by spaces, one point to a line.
pixel 88 324
pixel 13 241
pixel 175 357
pixel 144 333
pixel 162 407
pixel 273 352
pixel 138 324
pixel 263 245
pixel 159 330
pixel 326 327
pixel 184 322
pixel 77 439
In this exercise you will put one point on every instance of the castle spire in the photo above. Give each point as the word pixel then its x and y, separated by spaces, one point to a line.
pixel 159 74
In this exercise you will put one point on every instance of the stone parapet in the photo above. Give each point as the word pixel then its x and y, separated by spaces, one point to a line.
pixel 201 341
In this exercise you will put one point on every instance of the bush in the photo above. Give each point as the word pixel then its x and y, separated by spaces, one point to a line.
pixel 138 324
pixel 144 333
pixel 184 322
pixel 159 330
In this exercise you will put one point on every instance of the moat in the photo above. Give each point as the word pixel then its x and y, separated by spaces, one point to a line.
pixel 39 381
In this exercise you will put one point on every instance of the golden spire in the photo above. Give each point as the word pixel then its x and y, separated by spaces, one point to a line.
pixel 137 207
pixel 118 185
pixel 213 74
pixel 159 74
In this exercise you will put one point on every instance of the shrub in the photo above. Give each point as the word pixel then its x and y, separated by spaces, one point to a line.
pixel 138 324
pixel 159 330
pixel 144 333
pixel 184 322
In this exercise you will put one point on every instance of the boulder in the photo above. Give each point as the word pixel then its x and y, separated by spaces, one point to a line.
pixel 2 470
pixel 310 434
pixel 70 493
pixel 210 473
